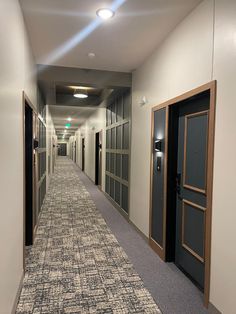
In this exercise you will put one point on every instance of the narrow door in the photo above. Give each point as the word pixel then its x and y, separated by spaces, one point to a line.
pixel 83 154
pixel 191 188
pixel 29 214
pixel 98 158
pixel 62 149
pixel 75 152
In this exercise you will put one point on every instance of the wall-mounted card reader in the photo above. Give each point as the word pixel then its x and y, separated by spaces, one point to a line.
pixel 158 163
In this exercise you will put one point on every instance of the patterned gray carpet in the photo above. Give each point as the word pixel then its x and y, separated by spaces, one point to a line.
pixel 76 264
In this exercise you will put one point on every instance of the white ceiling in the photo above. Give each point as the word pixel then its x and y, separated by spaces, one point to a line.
pixel 120 44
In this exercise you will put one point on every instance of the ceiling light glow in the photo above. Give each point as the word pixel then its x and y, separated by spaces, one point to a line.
pixel 80 94
pixel 105 13
pixel 81 87
pixel 69 119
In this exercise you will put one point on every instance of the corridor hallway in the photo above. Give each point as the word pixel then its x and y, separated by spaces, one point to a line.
pixel 76 264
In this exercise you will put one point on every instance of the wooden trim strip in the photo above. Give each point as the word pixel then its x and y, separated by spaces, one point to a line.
pixel 116 124
pixel 189 94
pixel 198 207
pixel 157 248
pixel 165 180
pixel 192 252
pixel 126 183
pixel 41 180
pixel 185 185
pixel 118 151
pixel 41 150
pixel 210 165
pixel 42 120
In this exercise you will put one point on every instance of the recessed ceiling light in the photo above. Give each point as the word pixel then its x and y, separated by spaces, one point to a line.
pixel 69 119
pixel 105 13
pixel 80 94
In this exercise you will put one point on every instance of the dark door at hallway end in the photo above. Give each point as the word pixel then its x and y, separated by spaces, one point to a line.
pixel 62 149
pixel 191 180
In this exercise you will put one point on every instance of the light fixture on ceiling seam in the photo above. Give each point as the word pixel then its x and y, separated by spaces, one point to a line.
pixel 105 13
pixel 80 94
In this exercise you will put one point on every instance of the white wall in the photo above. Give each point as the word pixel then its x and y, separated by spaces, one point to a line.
pixel 182 63
pixel 95 123
pixel 17 74
pixel 185 61
pixel 51 141
pixel 223 271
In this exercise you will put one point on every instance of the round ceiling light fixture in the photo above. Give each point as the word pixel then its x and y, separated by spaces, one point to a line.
pixel 80 94
pixel 69 119
pixel 105 13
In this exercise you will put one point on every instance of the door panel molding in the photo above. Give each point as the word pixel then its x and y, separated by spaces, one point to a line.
pixel 161 251
pixel 184 245
pixel 186 121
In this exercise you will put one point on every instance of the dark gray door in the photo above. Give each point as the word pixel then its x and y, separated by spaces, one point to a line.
pixel 29 182
pixel 62 149
pixel 83 154
pixel 191 188
pixel 98 158
pixel 75 152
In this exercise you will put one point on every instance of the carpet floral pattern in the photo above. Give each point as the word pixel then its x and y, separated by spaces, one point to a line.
pixel 76 265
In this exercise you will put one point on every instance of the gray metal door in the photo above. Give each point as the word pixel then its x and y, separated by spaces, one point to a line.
pixel 191 188
pixel 62 149
pixel 83 154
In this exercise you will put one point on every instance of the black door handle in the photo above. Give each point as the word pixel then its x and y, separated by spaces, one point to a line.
pixel 178 185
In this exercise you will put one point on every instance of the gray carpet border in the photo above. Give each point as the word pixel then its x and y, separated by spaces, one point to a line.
pixel 170 288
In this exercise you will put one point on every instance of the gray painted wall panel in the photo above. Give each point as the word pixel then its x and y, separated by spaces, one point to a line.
pixel 158 178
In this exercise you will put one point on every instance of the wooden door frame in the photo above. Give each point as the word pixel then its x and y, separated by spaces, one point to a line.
pixel 161 251
pixel 26 100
